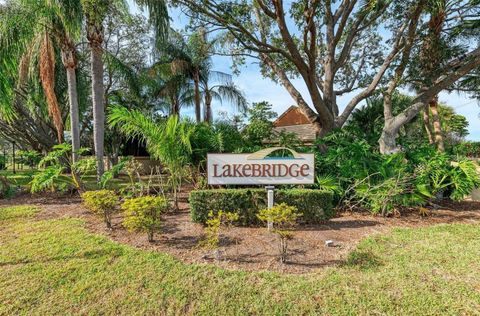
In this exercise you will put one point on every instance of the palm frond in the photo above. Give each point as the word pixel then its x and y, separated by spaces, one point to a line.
pixel 231 93
pixel 126 72
pixel 134 123
pixel 47 77
pixel 158 15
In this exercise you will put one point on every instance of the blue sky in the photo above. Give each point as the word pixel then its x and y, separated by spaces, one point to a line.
pixel 257 88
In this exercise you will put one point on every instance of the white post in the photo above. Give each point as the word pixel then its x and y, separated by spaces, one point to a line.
pixel 270 201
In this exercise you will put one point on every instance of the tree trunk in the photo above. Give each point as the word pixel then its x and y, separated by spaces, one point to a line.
pixel 74 120
pixel 426 123
pixel 69 61
pixel 175 109
pixel 98 106
pixel 208 107
pixel 388 139
pixel 437 127
pixel 198 110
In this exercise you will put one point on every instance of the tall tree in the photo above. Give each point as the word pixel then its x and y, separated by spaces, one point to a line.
pixel 192 59
pixel 127 48
pixel 173 88
pixel 444 75
pixel 95 12
pixel 187 60
pixel 222 89
pixel 432 55
pixel 334 47
pixel 53 25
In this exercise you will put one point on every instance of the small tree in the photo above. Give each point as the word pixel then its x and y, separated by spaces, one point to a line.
pixel 54 167
pixel 214 224
pixel 284 219
pixel 260 127
pixel 102 202
pixel 143 214
pixel 167 140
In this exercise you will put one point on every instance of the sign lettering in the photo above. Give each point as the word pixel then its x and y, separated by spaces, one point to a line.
pixel 259 168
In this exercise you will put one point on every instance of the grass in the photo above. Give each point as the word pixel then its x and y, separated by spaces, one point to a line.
pixel 21 178
pixel 57 267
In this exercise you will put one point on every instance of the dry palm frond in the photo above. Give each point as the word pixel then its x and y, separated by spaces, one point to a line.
pixel 47 78
pixel 179 66
pixel 23 68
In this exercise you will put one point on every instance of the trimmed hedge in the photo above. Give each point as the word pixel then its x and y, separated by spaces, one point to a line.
pixel 315 205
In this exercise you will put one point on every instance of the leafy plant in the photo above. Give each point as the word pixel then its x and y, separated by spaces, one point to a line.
pixel 144 214
pixel 328 183
pixel 101 202
pixel 467 149
pixel 168 141
pixel 29 157
pixel 212 231
pixel 54 167
pixel 6 189
pixel 115 170
pixel 284 218
pixel 3 163
pixel 465 176
pixel 385 196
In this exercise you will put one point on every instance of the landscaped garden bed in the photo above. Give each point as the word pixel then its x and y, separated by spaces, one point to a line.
pixel 251 248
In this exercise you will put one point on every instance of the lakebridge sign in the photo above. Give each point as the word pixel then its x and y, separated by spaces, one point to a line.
pixel 261 169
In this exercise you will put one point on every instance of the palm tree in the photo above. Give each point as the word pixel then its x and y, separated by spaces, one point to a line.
pixel 73 18
pixel 192 59
pixel 51 25
pixel 167 140
pixel 431 56
pixel 67 24
pixel 174 90
pixel 224 89
pixel 199 52
pixel 95 12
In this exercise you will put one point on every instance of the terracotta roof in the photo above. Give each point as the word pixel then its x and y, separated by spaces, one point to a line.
pixel 305 132
pixel 292 116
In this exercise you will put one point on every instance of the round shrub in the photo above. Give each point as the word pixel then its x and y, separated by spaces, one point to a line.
pixel 101 202
pixel 143 214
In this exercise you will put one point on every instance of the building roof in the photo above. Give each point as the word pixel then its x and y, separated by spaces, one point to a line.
pixel 292 116
pixel 304 132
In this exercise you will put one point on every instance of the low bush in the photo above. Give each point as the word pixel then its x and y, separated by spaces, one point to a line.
pixel 3 163
pixel 6 188
pixel 314 205
pixel 59 173
pixel 283 217
pixel 143 214
pixel 101 202
pixel 214 224
pixel 467 149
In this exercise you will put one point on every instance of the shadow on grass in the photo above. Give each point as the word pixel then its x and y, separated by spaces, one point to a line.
pixel 363 260
pixel 88 255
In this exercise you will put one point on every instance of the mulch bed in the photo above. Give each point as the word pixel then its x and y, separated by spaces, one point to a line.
pixel 253 248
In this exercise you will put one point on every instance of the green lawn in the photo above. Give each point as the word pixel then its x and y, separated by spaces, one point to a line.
pixel 20 178
pixel 58 267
